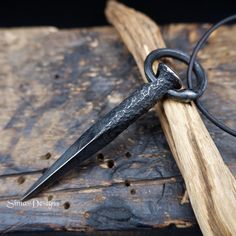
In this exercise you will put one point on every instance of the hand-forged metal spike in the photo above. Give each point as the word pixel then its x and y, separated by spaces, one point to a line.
pixel 109 127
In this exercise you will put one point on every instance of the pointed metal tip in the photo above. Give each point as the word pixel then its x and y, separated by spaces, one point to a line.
pixel 29 194
pixel 35 188
pixel 25 198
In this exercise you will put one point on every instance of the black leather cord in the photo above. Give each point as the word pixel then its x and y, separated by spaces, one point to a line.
pixel 196 49
pixel 190 94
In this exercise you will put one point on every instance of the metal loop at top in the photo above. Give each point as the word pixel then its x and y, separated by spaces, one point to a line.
pixel 184 95
pixel 190 94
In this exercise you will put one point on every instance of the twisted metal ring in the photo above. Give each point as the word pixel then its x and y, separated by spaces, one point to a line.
pixel 184 95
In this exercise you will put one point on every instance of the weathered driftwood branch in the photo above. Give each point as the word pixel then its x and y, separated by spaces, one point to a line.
pixel 210 184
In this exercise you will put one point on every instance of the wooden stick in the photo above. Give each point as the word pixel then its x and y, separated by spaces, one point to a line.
pixel 210 184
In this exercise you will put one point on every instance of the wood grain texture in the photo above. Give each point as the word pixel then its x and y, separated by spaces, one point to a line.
pixel 210 184
pixel 53 85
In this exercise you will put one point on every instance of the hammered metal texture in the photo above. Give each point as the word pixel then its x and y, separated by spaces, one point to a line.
pixel 109 127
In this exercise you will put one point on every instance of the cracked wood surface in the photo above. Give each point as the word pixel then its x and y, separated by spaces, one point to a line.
pixel 54 84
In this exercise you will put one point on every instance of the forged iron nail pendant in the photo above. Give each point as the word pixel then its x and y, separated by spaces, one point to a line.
pixel 109 127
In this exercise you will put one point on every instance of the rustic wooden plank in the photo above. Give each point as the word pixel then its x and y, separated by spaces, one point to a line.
pixel 134 182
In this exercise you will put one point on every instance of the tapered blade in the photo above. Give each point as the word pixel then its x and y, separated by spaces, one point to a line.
pixel 108 128
pixel 80 150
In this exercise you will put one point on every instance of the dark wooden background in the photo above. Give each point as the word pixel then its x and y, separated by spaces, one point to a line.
pixel 54 84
